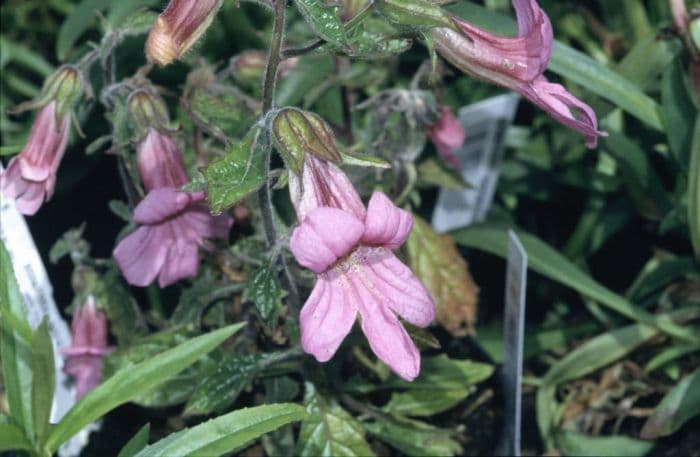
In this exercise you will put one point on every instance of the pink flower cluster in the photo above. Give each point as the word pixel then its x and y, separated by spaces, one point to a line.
pixel 350 249
pixel 173 224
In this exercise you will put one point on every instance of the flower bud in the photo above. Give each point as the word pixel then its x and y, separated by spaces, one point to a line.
pixel 299 132
pixel 180 26
pixel 64 86
pixel 147 111
pixel 249 66
pixel 415 13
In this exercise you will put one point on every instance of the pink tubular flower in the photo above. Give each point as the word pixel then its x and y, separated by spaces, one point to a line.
pixel 31 175
pixel 448 136
pixel 350 249
pixel 178 28
pixel 89 346
pixel 518 64
pixel 680 15
pixel 172 223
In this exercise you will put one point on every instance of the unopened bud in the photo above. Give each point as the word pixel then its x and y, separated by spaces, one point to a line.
pixel 415 13
pixel 147 111
pixel 297 133
pixel 178 28
pixel 249 66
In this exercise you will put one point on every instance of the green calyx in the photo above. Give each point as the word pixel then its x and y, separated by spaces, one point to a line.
pixel 298 132
pixel 415 13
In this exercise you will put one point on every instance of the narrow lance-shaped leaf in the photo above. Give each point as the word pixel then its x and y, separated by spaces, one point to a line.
pixel 136 443
pixel 225 433
pixel 680 405
pixel 694 191
pixel 437 262
pixel 44 379
pixel 12 438
pixel 15 351
pixel 128 384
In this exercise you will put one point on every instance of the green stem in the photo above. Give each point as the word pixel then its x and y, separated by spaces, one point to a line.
pixel 265 193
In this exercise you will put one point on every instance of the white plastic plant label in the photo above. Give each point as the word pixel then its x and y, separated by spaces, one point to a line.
pixel 486 124
pixel 513 338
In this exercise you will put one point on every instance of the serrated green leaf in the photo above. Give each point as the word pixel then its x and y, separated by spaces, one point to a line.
pixel 43 379
pixel 128 384
pixel 434 258
pixel 224 113
pixel 324 20
pixel 264 291
pixel 424 403
pixel 414 438
pixel 12 438
pixel 225 433
pixel 136 443
pixel 15 354
pixel 219 388
pixel 550 263
pixel 239 173
pixel 329 430
pixel 678 406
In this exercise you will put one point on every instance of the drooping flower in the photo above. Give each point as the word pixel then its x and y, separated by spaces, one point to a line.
pixel 178 28
pixel 83 359
pixel 30 177
pixel 173 224
pixel 680 15
pixel 448 135
pixel 518 63
pixel 350 249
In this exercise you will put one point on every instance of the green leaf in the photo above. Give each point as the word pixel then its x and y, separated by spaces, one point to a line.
pixel 136 443
pixel 363 160
pixel 219 389
pixel 329 430
pixel 324 21
pixel 677 407
pixel 44 379
pixel 79 21
pixel 128 384
pixel 648 59
pixel 264 291
pixel 442 373
pixel 550 263
pixel 432 173
pixel 425 402
pixel 694 191
pixel 15 353
pixel 643 184
pixel 225 433
pixel 434 258
pixel 13 439
pixel 119 11
pixel 574 443
pixel 239 173
pixel 224 112
pixel 577 67
pixel 178 388
pixel 310 72
pixel 424 14
pixel 10 149
pixel 14 52
pixel 678 112
pixel 415 438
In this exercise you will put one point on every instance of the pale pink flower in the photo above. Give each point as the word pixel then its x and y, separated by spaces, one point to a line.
pixel 448 135
pixel 30 177
pixel 518 63
pixel 178 28
pixel 173 224
pixel 680 15
pixel 350 250
pixel 83 359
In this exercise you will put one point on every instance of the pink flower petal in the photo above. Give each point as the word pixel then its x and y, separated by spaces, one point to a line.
pixel 206 225
pixel 325 235
pixel 387 337
pixel 161 204
pixel 45 146
pixel 403 292
pixel 386 224
pixel 182 262
pixel 141 255
pixel 87 371
pixel 160 162
pixel 326 318
pixel 323 184
pixel 448 135
pixel 31 199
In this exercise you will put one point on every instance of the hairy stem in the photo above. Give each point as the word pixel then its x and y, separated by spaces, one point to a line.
pixel 265 193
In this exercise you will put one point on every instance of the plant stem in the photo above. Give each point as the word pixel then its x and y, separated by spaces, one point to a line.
pixel 265 194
